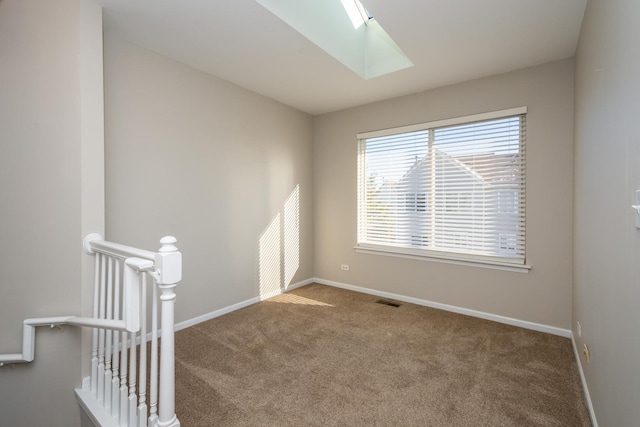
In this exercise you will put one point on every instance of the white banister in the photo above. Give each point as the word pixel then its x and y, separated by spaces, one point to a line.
pixel 115 374
pixel 131 400
pixel 123 390
pixel 169 263
pixel 142 387
pixel 131 403
pixel 109 335
pixel 153 369
pixel 101 331
pixel 29 331
pixel 29 339
pixel 94 346
pixel 166 414
pixel 94 242
pixel 115 393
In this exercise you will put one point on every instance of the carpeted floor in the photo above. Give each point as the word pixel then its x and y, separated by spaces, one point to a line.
pixel 322 356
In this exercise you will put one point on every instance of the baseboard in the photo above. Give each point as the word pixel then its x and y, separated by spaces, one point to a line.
pixel 474 313
pixel 587 396
pixel 460 310
pixel 480 314
pixel 238 306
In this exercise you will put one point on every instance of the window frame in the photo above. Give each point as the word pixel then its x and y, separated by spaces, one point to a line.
pixel 488 261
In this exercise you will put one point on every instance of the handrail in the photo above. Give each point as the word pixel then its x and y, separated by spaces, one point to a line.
pixel 168 261
pixel 110 395
pixel 29 333
pixel 94 242
pixel 129 323
pixel 28 339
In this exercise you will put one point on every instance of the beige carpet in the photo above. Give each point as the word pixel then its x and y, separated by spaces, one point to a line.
pixel 322 356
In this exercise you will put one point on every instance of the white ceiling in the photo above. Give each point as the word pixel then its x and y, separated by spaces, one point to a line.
pixel 449 41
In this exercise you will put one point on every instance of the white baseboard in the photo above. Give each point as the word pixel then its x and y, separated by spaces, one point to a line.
pixel 587 396
pixel 238 306
pixel 488 316
pixel 474 313
pixel 480 314
pixel 460 310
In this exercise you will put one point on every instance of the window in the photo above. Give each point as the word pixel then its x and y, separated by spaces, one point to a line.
pixel 357 13
pixel 453 189
pixel 415 202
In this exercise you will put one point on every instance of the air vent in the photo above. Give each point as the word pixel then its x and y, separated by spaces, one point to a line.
pixel 387 302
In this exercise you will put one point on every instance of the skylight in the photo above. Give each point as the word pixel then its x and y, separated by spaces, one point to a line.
pixel 357 13
pixel 336 26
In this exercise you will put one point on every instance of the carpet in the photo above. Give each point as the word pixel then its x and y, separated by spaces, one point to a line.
pixel 323 356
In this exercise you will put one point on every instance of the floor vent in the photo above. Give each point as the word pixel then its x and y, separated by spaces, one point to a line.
pixel 387 302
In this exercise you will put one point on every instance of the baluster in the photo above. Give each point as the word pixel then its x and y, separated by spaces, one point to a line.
pixel 94 338
pixel 142 390
pixel 101 331
pixel 153 369
pixel 123 378
pixel 109 334
pixel 115 401
pixel 132 381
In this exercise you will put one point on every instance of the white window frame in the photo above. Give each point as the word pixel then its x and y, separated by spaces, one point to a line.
pixel 518 265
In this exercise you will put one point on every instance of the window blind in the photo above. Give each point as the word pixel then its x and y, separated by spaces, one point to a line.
pixel 449 189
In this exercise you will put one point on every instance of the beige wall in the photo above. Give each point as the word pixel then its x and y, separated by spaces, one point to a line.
pixel 544 294
pixel 213 164
pixel 229 160
pixel 50 119
pixel 607 173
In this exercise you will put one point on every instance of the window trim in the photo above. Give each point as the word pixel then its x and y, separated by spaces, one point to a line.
pixel 442 257
pixel 446 122
pixel 434 255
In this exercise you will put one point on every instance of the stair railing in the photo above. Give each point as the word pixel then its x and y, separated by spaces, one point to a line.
pixel 115 393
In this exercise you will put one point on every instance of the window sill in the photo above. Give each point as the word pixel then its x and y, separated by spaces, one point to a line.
pixel 446 259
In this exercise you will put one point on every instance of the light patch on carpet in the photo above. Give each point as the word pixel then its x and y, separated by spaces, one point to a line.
pixel 297 299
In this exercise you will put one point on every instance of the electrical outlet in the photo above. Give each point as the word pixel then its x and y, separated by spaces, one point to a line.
pixel 579 330
pixel 344 267
pixel 637 208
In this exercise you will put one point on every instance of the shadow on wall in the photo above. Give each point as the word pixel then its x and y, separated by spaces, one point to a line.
pixel 279 248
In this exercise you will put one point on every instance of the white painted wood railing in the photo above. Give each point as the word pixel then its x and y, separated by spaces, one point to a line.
pixel 115 394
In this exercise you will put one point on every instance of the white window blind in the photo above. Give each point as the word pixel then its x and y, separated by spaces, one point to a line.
pixel 450 189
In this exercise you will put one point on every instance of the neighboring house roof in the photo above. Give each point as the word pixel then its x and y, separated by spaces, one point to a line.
pixel 494 168
pixel 480 167
pixel 441 156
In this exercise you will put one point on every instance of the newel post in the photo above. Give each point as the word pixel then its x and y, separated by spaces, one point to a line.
pixel 168 263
